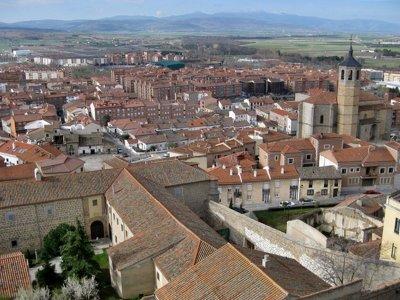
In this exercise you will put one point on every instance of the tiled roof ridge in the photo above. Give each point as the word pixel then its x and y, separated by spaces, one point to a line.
pixel 135 180
pixel 264 276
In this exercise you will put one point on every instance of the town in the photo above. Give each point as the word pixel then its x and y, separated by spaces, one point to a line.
pixel 155 170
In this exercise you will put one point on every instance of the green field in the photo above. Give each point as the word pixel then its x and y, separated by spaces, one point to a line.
pixel 277 218
pixel 325 46
pixel 311 46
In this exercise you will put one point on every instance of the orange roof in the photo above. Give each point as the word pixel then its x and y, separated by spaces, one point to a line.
pixel 225 274
pixel 288 145
pixel 18 172
pixel 14 274
pixel 366 155
pixel 26 152
pixel 319 96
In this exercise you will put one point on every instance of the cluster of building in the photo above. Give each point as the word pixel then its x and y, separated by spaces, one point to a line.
pixel 234 141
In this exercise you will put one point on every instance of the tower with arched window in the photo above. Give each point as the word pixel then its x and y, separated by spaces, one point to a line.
pixel 348 95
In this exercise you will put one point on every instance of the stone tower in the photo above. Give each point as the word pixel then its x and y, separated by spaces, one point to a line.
pixel 348 95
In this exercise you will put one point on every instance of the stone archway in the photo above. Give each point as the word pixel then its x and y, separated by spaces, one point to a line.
pixel 96 230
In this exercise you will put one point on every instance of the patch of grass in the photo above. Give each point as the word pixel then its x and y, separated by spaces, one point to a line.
pixel 102 260
pixel 277 218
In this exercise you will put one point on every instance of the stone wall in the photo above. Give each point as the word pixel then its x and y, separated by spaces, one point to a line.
pixel 302 232
pixel 196 195
pixel 245 231
pixel 32 222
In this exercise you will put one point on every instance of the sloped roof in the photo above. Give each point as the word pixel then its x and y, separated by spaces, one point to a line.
pixel 25 192
pixel 14 274
pixel 225 274
pixel 168 172
pixel 161 224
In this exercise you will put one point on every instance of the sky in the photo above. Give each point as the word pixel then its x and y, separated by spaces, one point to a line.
pixel 20 10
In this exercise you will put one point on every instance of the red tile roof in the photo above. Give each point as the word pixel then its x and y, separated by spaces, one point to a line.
pixel 14 274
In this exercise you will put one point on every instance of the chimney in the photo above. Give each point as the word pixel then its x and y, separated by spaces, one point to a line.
pixel 255 173
pixel 38 175
pixel 239 168
pixel 265 260
pixel 223 167
pixel 231 172
pixel 282 170
pixel 13 146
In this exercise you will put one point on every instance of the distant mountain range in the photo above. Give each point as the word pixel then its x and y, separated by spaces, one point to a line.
pixel 255 23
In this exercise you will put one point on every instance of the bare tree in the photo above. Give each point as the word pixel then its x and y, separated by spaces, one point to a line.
pixel 338 268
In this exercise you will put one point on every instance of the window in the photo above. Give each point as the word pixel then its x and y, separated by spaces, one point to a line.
pixel 290 161
pixel 10 216
pixel 94 202
pixel 14 243
pixel 358 170
pixel 351 170
pixel 115 239
pixel 336 182
pixel 117 221
pixel 276 157
pixel 350 75
pixel 310 184
pixel 324 192
pixel 358 74
pixel 310 192
pixel 158 276
pixel 344 170
pixel 122 227
pixel 327 146
pixel 391 170
pixel 342 75
pixel 321 119
pixel 308 156
pixel 178 191
pixel 397 226
pixel 326 183
pixel 381 170
pixel 277 183
pixel 394 250
pixel 49 210
pixel 249 187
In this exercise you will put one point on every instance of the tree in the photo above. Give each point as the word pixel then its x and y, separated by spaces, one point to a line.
pixel 54 240
pixel 47 276
pixel 33 294
pixel 77 255
pixel 74 289
pixel 104 120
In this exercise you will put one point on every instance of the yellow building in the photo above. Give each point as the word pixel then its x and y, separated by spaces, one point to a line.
pixel 390 247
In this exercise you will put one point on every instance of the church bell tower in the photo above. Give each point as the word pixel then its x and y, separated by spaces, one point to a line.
pixel 348 94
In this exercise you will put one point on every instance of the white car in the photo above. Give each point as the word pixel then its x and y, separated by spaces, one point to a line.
pixel 286 203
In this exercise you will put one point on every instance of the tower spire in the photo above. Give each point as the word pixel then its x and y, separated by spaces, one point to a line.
pixel 351 46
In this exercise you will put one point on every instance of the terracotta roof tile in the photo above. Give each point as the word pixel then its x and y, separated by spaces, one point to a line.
pixel 14 274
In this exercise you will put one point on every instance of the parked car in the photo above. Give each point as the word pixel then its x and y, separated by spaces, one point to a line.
pixel 286 203
pixel 307 200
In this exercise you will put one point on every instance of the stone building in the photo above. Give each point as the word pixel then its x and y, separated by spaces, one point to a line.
pixel 350 111
pixel 31 208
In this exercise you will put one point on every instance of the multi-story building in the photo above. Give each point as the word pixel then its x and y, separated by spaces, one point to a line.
pixel 362 168
pixel 319 183
pixel 390 246
pixel 256 189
